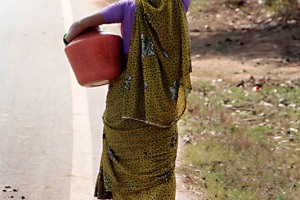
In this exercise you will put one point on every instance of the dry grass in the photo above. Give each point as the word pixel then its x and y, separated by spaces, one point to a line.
pixel 244 144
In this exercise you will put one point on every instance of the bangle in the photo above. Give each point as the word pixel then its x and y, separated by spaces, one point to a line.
pixel 65 40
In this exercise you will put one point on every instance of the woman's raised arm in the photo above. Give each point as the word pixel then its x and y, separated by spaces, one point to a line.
pixel 94 19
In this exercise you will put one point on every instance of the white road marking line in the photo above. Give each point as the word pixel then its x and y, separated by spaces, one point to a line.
pixel 82 163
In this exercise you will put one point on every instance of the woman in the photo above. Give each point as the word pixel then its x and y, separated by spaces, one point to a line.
pixel 144 104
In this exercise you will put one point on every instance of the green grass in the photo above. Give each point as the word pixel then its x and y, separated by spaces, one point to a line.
pixel 244 144
pixel 283 6
pixel 273 6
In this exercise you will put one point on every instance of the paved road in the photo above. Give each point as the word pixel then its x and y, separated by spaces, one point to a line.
pixel 50 127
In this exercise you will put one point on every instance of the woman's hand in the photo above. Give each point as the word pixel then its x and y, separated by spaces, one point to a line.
pixel 94 19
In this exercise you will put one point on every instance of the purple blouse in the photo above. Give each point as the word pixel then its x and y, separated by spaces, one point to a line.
pixel 123 12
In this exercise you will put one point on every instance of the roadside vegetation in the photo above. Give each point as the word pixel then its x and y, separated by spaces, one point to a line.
pixel 241 131
pixel 243 142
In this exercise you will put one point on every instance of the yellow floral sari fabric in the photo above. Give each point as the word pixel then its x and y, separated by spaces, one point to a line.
pixel 157 75
pixel 143 106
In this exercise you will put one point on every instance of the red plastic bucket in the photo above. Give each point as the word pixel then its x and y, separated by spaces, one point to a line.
pixel 95 57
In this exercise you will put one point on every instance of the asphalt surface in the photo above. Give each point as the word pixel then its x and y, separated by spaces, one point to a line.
pixel 50 127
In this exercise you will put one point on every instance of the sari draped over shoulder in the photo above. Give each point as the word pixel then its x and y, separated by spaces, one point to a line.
pixel 144 104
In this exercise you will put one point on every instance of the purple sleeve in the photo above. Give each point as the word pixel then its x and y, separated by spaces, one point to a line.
pixel 186 5
pixel 123 12
pixel 114 12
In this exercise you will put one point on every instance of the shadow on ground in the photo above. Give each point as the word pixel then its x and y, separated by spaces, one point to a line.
pixel 244 31
pixel 278 44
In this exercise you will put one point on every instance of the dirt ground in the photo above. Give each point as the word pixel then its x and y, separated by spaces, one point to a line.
pixel 233 43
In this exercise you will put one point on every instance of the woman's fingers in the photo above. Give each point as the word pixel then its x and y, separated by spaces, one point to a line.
pixel 94 19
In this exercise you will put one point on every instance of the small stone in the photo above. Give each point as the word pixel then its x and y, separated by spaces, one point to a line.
pixel 293 130
pixel 241 84
pixel 277 137
pixel 195 30
pixel 295 38
pixel 228 40
pixel 256 88
pixel 187 141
